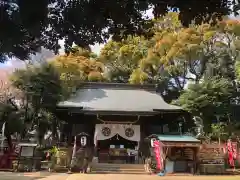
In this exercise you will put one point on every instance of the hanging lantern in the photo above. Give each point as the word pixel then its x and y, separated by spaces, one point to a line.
pixel 83 140
pixel 152 142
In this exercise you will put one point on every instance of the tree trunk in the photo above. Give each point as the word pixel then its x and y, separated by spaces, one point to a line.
pixel 9 139
pixel 54 132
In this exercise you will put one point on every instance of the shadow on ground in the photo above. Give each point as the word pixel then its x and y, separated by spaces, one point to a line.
pixel 27 176
pixel 118 173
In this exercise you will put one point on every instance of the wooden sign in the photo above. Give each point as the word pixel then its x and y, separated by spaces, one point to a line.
pixel 213 161
pixel 211 154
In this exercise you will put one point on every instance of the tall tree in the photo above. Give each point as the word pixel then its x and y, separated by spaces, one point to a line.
pixel 167 63
pixel 208 100
pixel 179 55
pixel 43 89
pixel 77 67
pixel 11 113
pixel 28 25
pixel 41 84
pixel 121 58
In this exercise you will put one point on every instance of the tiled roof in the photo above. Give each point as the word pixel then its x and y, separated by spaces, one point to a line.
pixel 118 99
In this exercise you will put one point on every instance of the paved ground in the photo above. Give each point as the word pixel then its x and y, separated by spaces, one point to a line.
pixel 52 176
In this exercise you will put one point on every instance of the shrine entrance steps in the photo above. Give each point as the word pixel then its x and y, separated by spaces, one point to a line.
pixel 118 168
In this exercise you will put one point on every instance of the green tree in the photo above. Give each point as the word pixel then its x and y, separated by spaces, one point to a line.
pixel 219 132
pixel 10 114
pixel 27 25
pixel 178 54
pixel 43 89
pixel 173 52
pixel 78 67
pixel 208 99
pixel 41 85
pixel 121 58
pixel 46 84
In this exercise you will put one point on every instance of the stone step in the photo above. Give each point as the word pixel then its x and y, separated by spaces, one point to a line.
pixel 120 171
pixel 118 168
pixel 106 165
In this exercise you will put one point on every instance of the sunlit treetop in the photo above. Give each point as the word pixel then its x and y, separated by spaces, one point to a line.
pixel 177 50
pixel 75 68
pixel 28 25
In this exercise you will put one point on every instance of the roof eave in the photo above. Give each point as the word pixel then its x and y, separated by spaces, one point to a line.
pixel 116 112
pixel 171 110
pixel 80 109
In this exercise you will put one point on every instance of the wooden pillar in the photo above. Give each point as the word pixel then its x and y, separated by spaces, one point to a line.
pixel 196 160
pixel 69 133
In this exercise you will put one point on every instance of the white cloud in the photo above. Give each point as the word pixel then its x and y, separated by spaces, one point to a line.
pixel 97 48
pixel 8 63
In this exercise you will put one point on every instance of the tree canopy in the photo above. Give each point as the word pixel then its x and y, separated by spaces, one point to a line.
pixel 196 67
pixel 28 25
pixel 41 85
pixel 78 66
pixel 122 57
pixel 205 56
pixel 208 99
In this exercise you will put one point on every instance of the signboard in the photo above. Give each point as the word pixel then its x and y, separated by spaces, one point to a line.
pixel 213 161
pixel 211 154
pixel 27 151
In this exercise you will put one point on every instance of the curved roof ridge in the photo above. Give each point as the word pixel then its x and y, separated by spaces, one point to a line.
pixel 96 85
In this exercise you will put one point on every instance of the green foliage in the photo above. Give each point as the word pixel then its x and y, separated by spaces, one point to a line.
pixel 169 54
pixel 219 132
pixel 11 115
pixel 175 55
pixel 14 122
pixel 41 85
pixel 208 99
pixel 28 25
pixel 121 58
pixel 13 118
pixel 77 67
pixel 43 89
pixel 54 150
pixel 212 92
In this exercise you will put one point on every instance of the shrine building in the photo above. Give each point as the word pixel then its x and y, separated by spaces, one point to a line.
pixel 119 117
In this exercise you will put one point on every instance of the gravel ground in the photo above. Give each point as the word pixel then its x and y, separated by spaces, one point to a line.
pixel 59 176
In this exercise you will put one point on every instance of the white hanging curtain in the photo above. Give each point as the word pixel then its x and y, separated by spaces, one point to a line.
pixel 117 129
pixel 99 134
pixel 136 132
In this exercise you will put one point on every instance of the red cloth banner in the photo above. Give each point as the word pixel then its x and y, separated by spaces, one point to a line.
pixel 158 153
pixel 234 145
pixel 232 152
